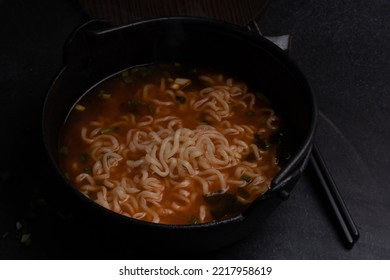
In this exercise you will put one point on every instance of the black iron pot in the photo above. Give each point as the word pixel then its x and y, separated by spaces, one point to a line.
pixel 97 50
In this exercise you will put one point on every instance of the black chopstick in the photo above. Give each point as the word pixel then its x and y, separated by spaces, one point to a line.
pixel 344 218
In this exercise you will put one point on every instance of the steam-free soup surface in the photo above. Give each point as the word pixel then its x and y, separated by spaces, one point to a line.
pixel 171 144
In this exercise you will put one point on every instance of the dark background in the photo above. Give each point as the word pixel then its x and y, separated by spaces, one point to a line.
pixel 343 49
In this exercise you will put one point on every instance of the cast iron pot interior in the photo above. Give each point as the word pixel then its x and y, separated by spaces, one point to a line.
pixel 97 50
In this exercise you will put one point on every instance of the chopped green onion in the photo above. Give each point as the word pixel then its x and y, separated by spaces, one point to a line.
pixel 145 71
pixel 64 150
pixel 134 102
pixel 128 80
pixel 262 97
pixel 181 99
pixel 103 95
pixel 18 225
pixel 88 170
pixel 83 157
pixel 246 178
pixel 150 109
pixel 26 239
pixel 194 70
pixel 66 174
pixel 79 107
pixel 166 74
pixel 126 77
pixel 5 234
pixel 194 220
pixel 109 129
pixel 177 64
pixel 134 70
pixel 250 113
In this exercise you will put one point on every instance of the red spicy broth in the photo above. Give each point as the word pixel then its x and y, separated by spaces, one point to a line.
pixel 172 144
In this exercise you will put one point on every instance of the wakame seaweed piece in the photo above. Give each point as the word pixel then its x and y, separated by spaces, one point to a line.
pixel 261 143
pixel 250 157
pixel 283 149
pixel 220 204
pixel 181 99
pixel 243 193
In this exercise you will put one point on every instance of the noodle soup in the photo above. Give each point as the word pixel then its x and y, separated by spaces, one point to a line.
pixel 172 144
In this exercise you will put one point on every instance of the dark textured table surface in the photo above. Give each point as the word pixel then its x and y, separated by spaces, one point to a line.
pixel 343 49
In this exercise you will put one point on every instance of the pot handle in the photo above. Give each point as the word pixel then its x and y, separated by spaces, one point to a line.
pixel 284 183
pixel 77 45
pixel 284 186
